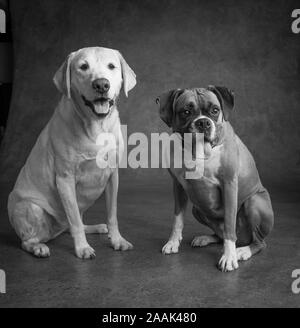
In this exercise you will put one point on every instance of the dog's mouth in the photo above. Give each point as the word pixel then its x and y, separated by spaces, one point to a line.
pixel 100 106
pixel 207 137
pixel 207 148
pixel 208 143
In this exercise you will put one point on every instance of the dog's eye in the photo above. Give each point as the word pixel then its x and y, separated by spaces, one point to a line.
pixel 84 66
pixel 111 66
pixel 187 112
pixel 215 111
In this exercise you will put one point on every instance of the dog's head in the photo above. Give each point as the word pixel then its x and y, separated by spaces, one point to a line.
pixel 202 110
pixel 94 76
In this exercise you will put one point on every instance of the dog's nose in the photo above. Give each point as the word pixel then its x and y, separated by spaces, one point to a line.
pixel 203 124
pixel 101 85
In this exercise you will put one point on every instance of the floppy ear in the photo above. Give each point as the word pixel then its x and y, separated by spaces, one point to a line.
pixel 225 97
pixel 62 77
pixel 129 77
pixel 166 103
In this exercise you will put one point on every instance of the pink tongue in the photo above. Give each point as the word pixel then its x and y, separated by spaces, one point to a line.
pixel 207 149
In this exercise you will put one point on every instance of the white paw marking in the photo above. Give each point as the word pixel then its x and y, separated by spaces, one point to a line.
pixel 243 253
pixel 228 261
pixel 171 247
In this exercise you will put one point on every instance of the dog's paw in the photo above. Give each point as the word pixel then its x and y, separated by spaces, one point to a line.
pixel 120 244
pixel 228 262
pixel 201 241
pixel 102 228
pixel 96 228
pixel 41 250
pixel 86 252
pixel 243 253
pixel 171 247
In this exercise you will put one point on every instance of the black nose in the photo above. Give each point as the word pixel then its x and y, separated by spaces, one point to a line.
pixel 203 124
pixel 101 85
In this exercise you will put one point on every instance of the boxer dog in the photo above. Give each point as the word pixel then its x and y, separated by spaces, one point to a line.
pixel 228 197
pixel 61 179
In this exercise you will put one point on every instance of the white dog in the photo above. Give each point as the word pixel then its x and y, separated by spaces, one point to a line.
pixel 60 179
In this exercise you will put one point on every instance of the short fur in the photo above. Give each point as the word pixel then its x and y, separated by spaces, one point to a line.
pixel 229 197
pixel 60 179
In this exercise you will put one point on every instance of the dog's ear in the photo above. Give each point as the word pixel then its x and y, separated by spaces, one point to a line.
pixel 129 77
pixel 225 97
pixel 62 77
pixel 166 103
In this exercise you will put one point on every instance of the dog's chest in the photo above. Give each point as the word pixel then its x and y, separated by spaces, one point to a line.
pixel 205 189
pixel 89 173
pixel 90 181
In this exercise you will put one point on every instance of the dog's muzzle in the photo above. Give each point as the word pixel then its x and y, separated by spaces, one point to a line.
pixel 100 106
pixel 101 85
pixel 205 126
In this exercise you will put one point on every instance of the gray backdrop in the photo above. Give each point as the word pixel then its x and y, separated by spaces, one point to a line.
pixel 245 45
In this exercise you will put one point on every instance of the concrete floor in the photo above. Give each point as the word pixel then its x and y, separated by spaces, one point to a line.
pixel 144 277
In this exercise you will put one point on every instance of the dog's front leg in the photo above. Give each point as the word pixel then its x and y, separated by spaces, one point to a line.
pixel 181 200
pixel 228 261
pixel 66 189
pixel 111 194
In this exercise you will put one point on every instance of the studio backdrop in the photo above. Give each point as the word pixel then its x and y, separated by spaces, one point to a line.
pixel 247 46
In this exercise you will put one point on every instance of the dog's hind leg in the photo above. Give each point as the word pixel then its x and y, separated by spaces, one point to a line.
pixel 36 248
pixel 32 225
pixel 96 228
pixel 204 240
pixel 260 218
